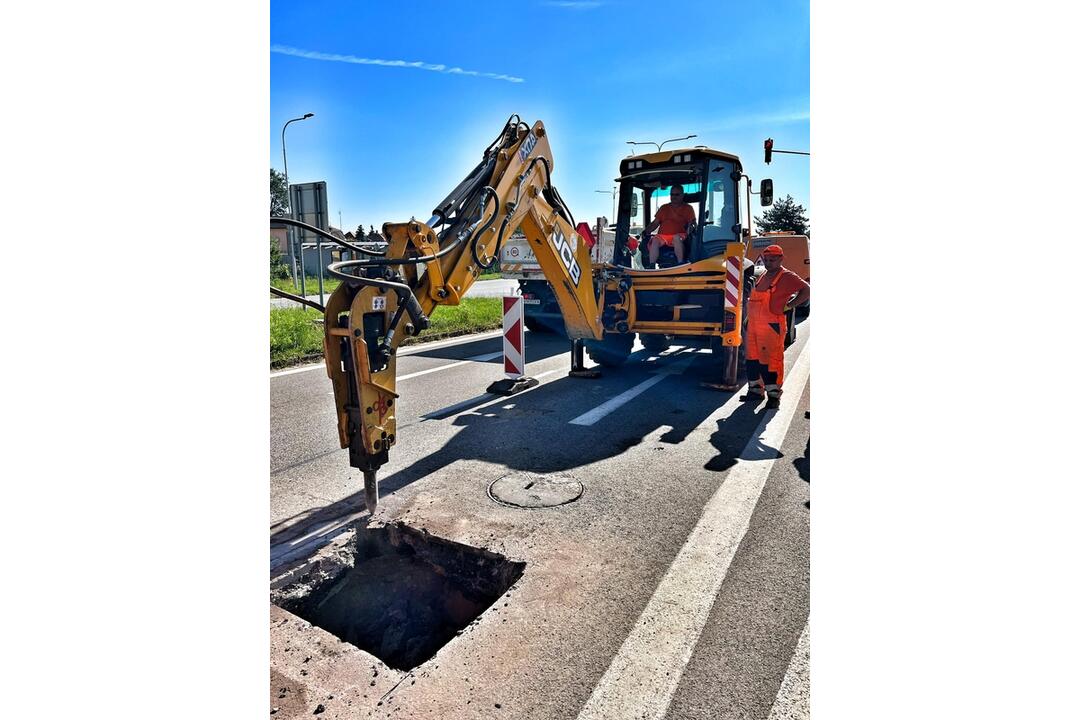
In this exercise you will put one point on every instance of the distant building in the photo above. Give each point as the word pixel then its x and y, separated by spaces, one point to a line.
pixel 281 234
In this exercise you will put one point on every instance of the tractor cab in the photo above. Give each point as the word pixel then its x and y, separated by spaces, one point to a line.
pixel 710 182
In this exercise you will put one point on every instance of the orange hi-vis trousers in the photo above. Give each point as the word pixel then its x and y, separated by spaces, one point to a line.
pixel 765 334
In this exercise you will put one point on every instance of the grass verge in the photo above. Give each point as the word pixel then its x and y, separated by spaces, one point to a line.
pixel 330 283
pixel 311 285
pixel 296 336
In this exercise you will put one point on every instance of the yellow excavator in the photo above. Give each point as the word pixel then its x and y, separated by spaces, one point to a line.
pixel 386 297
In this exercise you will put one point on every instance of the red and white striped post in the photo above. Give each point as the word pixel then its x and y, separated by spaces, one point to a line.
pixel 513 336
pixel 730 375
pixel 732 285
pixel 513 350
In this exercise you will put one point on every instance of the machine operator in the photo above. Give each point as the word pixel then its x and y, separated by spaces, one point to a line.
pixel 672 219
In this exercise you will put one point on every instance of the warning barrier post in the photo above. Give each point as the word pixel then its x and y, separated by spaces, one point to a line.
pixel 513 350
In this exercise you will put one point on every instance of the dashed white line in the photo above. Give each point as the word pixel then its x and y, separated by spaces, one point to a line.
pixel 466 361
pixel 594 415
pixel 648 667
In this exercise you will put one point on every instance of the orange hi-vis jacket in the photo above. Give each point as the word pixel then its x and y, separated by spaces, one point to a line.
pixel 767 324
pixel 675 219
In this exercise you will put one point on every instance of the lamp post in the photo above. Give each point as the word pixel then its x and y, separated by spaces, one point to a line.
pixel 288 194
pixel 661 145
pixel 612 194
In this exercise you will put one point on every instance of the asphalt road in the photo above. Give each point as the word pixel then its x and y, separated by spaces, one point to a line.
pixel 677 586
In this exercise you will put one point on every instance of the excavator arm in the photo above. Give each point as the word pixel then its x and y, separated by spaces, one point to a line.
pixel 386 298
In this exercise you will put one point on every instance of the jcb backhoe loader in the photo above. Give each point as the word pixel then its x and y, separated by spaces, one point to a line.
pixel 384 298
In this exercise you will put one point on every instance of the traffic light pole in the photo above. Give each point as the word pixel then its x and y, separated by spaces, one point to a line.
pixel 769 151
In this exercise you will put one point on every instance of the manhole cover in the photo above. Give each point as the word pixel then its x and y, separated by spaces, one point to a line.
pixel 529 490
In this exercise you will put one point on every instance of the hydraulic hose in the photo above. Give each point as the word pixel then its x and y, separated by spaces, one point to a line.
pixel 404 293
pixel 472 234
pixel 322 233
pixel 381 258
pixel 297 298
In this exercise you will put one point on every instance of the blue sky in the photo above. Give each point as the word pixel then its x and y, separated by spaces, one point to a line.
pixel 391 139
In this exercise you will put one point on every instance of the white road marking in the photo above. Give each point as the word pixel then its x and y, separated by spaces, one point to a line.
pixel 293 371
pixel 793 699
pixel 410 350
pixel 461 340
pixel 302 546
pixel 594 415
pixel 450 410
pixel 466 361
pixel 645 673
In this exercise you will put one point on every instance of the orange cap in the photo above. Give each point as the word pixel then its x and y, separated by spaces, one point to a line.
pixel 773 250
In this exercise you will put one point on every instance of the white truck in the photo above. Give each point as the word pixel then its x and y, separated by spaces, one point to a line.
pixel 517 262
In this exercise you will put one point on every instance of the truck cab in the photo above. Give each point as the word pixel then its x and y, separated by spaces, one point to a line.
pixel 710 181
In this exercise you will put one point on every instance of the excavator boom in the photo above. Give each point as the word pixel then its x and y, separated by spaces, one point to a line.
pixel 384 299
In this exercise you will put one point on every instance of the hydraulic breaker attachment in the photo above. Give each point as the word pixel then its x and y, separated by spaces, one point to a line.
pixel 362 333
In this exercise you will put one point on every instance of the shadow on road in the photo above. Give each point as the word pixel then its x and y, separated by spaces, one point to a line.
pixel 538 346
pixel 493 432
pixel 733 433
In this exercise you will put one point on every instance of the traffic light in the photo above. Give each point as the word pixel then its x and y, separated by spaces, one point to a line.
pixel 768 151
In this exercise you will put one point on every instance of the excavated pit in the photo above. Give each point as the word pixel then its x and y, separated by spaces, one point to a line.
pixel 399 594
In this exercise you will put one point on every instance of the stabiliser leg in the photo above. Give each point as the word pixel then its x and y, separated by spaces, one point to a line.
pixel 729 378
pixel 577 361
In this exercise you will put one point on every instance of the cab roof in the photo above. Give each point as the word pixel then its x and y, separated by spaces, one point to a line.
pixel 668 158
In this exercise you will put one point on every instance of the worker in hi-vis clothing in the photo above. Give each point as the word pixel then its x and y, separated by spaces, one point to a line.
pixel 766 327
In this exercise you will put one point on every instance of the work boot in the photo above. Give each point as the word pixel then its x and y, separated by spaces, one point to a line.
pixel 752 397
pixel 773 404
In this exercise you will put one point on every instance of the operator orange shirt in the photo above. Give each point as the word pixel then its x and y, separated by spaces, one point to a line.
pixel 786 285
pixel 674 219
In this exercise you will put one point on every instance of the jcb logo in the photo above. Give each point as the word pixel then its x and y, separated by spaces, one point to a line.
pixel 566 254
pixel 527 147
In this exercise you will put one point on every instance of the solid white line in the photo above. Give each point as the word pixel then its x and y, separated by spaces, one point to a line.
pixel 793 699
pixel 466 361
pixel 594 415
pixel 293 371
pixel 410 350
pixel 645 673
pixel 460 340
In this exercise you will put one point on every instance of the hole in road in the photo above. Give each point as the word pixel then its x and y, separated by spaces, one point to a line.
pixel 404 595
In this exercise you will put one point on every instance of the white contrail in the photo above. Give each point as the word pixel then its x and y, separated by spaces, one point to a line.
pixel 333 57
pixel 574 4
pixel 766 119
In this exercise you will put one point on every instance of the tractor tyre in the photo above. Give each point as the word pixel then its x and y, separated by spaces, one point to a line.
pixel 535 325
pixel 612 351
pixel 654 342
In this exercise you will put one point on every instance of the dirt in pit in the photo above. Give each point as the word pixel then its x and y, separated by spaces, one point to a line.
pixel 406 596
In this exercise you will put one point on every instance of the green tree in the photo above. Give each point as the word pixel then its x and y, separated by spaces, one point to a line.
pixel 278 267
pixel 784 216
pixel 279 194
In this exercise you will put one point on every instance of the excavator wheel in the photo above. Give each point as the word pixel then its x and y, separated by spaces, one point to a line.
pixel 612 351
pixel 535 325
pixel 654 342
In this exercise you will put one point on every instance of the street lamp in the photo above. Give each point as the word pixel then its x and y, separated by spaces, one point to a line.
pixel 674 139
pixel 661 145
pixel 288 195
pixel 612 194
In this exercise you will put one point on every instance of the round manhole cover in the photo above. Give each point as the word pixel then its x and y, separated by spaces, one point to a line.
pixel 529 490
